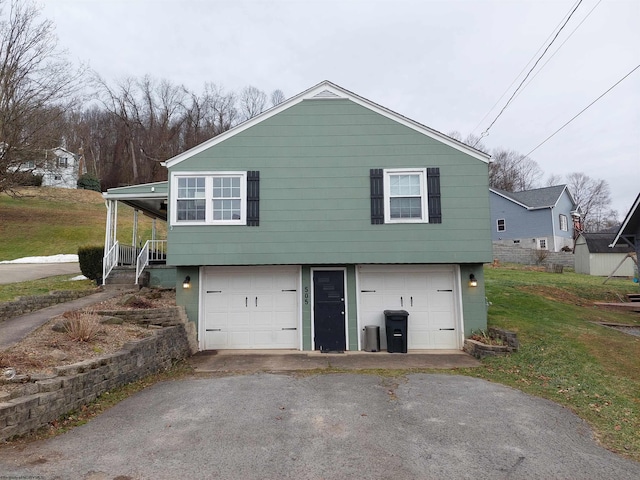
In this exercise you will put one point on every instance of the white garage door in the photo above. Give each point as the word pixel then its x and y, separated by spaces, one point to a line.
pixel 250 307
pixel 428 293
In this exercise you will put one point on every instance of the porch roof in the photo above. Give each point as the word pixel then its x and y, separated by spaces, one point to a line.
pixel 149 198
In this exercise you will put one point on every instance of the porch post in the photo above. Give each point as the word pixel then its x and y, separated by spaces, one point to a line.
pixel 110 230
pixel 134 240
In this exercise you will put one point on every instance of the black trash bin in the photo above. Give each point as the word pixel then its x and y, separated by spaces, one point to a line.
pixel 396 327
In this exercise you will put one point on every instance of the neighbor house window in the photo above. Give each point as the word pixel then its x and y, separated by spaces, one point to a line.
pixel 62 162
pixel 211 198
pixel 502 224
pixel 405 194
pixel 542 243
pixel 31 164
pixel 564 224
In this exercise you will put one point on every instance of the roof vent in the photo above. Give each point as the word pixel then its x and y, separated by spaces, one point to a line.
pixel 327 94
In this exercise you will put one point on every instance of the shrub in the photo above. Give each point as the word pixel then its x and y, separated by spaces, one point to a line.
pixel 27 179
pixel 88 181
pixel 81 327
pixel 90 259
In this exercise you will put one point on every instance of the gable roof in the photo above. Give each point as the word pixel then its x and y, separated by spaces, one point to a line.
pixel 631 223
pixel 599 243
pixel 329 91
pixel 537 198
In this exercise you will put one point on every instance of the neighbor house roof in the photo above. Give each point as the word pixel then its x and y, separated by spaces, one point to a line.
pixel 599 243
pixel 631 223
pixel 330 91
pixel 537 198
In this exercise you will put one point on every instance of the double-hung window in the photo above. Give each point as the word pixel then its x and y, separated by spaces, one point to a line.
pixel 405 194
pixel 190 200
pixel 564 224
pixel 218 198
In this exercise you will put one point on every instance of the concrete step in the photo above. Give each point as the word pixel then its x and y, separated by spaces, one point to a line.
pixel 126 276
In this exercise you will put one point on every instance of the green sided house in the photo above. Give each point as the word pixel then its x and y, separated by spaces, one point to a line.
pixel 301 226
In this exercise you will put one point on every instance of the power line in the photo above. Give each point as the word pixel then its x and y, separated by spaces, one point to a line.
pixel 486 132
pixel 521 71
pixel 558 49
pixel 582 111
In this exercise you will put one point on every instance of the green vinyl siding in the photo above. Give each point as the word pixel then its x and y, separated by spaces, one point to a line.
pixel 314 160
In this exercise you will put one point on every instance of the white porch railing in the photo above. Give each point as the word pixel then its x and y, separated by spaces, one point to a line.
pixel 127 255
pixel 153 251
pixel 109 261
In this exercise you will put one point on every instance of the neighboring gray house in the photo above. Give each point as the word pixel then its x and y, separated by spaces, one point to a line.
pixel 629 233
pixel 595 256
pixel 301 226
pixel 541 219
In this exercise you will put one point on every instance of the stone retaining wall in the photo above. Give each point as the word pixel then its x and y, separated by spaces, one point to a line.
pixel 47 397
pixel 30 304
pixel 530 256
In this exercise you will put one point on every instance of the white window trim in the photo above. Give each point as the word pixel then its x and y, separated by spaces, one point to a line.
pixel 387 194
pixel 504 224
pixel 566 222
pixel 208 185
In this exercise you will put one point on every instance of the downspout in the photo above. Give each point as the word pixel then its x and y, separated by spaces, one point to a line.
pixel 553 229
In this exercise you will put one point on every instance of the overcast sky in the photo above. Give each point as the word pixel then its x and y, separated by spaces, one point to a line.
pixel 442 63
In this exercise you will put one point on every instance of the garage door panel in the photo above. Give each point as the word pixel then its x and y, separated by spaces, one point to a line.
pixel 425 292
pixel 250 307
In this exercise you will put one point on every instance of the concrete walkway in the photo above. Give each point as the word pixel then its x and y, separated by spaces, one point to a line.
pixel 15 329
pixel 254 361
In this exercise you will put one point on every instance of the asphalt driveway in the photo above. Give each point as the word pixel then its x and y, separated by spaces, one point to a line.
pixel 266 426
pixel 22 272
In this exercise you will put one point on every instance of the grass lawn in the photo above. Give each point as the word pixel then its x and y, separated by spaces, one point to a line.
pixel 564 355
pixel 43 286
pixel 49 221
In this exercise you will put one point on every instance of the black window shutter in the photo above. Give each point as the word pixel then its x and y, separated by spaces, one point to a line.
pixel 377 196
pixel 253 199
pixel 433 195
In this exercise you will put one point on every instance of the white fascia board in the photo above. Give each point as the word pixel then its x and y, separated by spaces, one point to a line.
pixel 510 199
pixel 328 91
pixel 626 221
pixel 133 196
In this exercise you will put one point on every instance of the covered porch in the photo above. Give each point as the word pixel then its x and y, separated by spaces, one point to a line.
pixel 150 199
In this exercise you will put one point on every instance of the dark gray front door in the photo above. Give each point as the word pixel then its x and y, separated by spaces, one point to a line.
pixel 329 310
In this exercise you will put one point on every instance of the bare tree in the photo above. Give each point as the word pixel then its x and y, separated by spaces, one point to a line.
pixel 553 180
pixel 277 97
pixel 37 87
pixel 471 140
pixel 594 198
pixel 253 101
pixel 512 171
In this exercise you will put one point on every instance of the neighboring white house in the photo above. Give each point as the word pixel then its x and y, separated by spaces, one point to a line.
pixel 59 168
pixel 594 256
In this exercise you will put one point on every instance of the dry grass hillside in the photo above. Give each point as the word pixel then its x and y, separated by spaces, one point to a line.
pixel 48 221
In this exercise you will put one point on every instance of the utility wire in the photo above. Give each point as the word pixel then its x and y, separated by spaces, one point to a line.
pixel 558 49
pixel 582 111
pixel 486 132
pixel 520 73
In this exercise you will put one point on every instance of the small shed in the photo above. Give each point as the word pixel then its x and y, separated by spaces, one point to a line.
pixel 594 256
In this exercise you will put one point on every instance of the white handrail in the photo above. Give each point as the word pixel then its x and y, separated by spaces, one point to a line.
pixel 153 250
pixel 109 261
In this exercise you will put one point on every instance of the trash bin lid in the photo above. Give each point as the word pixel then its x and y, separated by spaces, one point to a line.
pixel 395 313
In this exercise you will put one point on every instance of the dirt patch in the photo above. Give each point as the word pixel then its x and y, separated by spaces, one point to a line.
pixel 556 294
pixel 46 348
